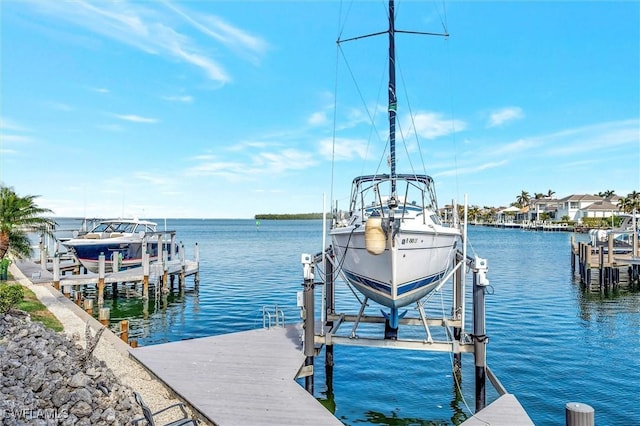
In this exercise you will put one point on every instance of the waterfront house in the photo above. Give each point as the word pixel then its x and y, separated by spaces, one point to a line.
pixel 577 206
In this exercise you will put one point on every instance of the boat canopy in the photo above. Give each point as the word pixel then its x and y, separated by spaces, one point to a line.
pixel 425 179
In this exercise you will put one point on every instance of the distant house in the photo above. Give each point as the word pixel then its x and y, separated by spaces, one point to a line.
pixel 543 205
pixel 578 206
pixel 506 215
pixel 604 208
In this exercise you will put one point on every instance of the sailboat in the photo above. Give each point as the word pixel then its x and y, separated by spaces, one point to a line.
pixel 391 244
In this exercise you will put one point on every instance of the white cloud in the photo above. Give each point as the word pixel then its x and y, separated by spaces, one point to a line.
pixel 15 138
pixel 157 32
pixel 151 178
pixel 596 137
pixel 344 149
pixel 136 118
pixel 430 125
pixel 499 117
pixel 243 146
pixel 317 118
pixel 61 106
pixel 7 124
pixel 218 29
pixel 288 159
pixel 472 169
pixel 182 98
pixel 518 146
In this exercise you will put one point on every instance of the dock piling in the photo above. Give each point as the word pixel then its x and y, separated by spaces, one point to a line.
pixel 88 306
pixel 104 315
pixel 101 273
pixel 309 318
pixel 578 414
pixel 124 331
pixel 480 339
pixel 56 271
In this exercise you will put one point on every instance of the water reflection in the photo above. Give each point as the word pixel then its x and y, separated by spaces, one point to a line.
pixel 459 410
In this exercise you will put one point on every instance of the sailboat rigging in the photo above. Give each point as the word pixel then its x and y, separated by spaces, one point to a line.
pixel 393 248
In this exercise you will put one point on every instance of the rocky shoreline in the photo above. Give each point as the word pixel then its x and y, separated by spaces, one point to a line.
pixel 49 379
pixel 111 364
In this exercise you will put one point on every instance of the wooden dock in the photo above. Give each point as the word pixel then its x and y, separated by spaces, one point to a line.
pixel 245 378
pixel 602 269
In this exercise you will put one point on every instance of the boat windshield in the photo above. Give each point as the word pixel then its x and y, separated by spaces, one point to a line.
pixel 103 227
pixel 125 228
pixel 120 227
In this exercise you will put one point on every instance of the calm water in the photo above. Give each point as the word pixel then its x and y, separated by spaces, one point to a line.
pixel 549 343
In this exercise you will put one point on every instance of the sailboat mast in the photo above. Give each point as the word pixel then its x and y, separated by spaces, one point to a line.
pixel 393 100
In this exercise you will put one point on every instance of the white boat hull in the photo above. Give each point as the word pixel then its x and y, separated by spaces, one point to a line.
pixel 411 266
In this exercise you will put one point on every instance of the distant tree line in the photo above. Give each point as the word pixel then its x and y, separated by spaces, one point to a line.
pixel 290 216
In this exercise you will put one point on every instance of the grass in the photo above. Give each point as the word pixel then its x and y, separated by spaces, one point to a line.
pixel 36 310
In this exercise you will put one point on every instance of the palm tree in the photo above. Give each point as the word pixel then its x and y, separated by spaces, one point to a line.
pixel 624 204
pixel 634 198
pixel 523 199
pixel 550 193
pixel 18 216
pixel 606 194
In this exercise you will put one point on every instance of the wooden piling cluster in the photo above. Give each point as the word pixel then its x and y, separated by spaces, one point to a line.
pixel 601 269
pixel 159 276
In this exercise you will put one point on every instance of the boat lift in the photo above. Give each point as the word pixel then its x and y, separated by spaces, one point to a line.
pixel 327 331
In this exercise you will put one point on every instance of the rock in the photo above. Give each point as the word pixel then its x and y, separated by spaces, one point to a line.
pixel 81 409
pixel 46 374
pixel 109 415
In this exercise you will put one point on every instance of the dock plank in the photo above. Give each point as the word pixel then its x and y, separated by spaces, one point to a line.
pixel 244 378
pixel 506 410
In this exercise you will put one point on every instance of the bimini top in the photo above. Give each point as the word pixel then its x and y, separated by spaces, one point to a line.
pixel 382 177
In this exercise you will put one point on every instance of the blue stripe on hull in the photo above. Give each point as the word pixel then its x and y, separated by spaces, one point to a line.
pixel 373 289
pixel 405 288
pixel 369 283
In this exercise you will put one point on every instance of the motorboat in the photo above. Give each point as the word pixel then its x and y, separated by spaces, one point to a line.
pixel 119 240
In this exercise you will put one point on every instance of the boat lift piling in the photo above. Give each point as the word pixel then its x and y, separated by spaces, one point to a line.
pixel 462 342
pixel 308 316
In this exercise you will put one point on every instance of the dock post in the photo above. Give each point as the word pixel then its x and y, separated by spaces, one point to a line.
pixel 114 261
pixel 124 331
pixel 43 253
pixel 578 414
pixel 88 306
pixel 458 296
pixel 330 310
pixel 56 271
pixel 145 271
pixel 573 255
pixel 104 315
pixel 181 283
pixel 309 318
pixel 480 339
pixel 165 268
pixel 601 273
pixel 196 276
pixel 101 269
pixel 587 265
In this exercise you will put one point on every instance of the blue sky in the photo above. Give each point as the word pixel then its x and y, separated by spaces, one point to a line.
pixel 226 109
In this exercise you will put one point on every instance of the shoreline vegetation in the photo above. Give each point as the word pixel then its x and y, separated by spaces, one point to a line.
pixel 292 216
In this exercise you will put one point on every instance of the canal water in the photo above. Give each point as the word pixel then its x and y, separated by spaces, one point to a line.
pixel 549 343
